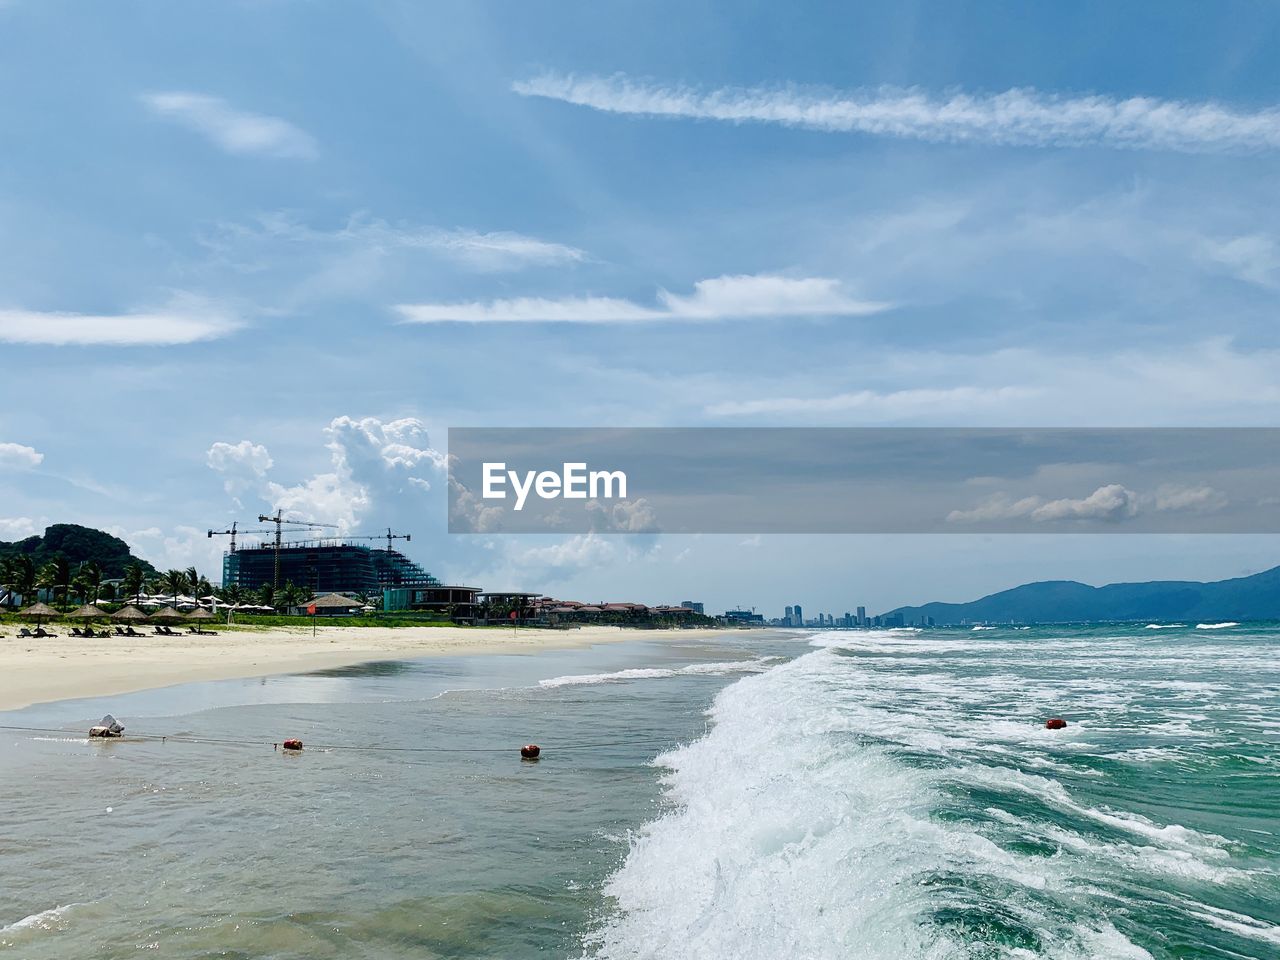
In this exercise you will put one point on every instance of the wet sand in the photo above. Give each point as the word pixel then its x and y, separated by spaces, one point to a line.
pixel 66 667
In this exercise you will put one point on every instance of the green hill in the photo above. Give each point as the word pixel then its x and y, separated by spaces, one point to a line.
pixel 78 544
pixel 1256 597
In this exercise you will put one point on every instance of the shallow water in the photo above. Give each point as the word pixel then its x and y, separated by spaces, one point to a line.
pixel 887 794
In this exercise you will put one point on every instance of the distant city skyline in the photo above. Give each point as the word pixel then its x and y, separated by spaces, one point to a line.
pixel 235 283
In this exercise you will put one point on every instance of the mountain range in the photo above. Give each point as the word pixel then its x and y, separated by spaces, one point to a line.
pixel 1255 597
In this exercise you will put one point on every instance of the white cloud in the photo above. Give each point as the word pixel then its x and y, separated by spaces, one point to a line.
pixel 16 456
pixel 17 528
pixel 1023 117
pixel 187 321
pixel 999 506
pixel 243 465
pixel 713 299
pixel 493 250
pixel 1254 258
pixel 890 403
pixel 1201 499
pixel 247 454
pixel 181 547
pixel 1111 502
pixel 376 464
pixel 235 131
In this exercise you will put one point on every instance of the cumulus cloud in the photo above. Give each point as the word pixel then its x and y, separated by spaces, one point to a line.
pixel 717 298
pixel 232 130
pixel 623 516
pixel 1017 117
pixel 375 464
pixel 188 320
pixel 1110 503
pixel 16 456
pixel 17 528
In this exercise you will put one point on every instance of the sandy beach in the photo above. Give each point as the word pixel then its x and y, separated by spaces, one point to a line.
pixel 66 667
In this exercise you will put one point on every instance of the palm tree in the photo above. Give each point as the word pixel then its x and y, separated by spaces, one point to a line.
pixel 8 573
pixel 173 582
pixel 135 578
pixel 55 576
pixel 23 575
pixel 290 596
pixel 88 581
pixel 266 595
pixel 231 594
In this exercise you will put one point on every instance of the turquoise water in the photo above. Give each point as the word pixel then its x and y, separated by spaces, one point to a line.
pixel 859 794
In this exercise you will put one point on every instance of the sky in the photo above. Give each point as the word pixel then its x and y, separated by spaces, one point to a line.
pixel 261 254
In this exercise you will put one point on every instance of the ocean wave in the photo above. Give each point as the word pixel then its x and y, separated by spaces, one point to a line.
pixel 1217 626
pixel 656 673
pixel 795 828
pixel 52 919
pixel 1237 923
pixel 1164 626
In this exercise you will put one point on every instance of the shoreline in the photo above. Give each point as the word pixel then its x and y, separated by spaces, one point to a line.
pixel 68 668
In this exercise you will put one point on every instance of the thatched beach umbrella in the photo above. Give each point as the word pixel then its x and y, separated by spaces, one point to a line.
pixel 166 613
pixel 129 614
pixel 200 613
pixel 39 611
pixel 88 612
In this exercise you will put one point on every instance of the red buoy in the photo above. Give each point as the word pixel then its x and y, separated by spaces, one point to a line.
pixel 530 751
pixel 293 743
pixel 1056 723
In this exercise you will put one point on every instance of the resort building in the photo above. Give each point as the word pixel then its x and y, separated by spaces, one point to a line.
pixel 454 602
pixel 323 566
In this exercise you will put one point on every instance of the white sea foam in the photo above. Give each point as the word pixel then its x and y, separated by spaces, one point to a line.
pixel 1237 923
pixel 52 919
pixel 1217 626
pixel 1164 626
pixel 657 673
pixel 795 829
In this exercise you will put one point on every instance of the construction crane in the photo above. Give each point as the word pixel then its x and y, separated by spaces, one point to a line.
pixel 234 532
pixel 280 522
pixel 388 536
pixel 223 533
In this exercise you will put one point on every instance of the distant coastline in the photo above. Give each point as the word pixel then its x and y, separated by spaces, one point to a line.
pixel 1255 597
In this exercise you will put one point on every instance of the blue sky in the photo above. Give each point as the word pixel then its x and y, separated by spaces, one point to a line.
pixel 260 253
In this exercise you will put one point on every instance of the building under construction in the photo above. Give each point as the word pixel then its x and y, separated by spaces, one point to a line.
pixel 324 566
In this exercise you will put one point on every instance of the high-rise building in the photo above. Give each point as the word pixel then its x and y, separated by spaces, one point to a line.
pixel 799 616
pixel 862 616
pixel 331 566
pixel 694 605
pixel 787 618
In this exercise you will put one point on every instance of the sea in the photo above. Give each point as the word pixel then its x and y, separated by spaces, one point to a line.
pixel 755 796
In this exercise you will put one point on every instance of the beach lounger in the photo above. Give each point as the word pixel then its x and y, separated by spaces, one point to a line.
pixel 24 634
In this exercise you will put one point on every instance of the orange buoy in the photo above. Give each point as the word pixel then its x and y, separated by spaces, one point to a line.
pixel 293 743
pixel 1055 723
pixel 530 751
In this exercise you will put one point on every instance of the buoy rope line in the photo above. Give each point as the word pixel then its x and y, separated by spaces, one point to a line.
pixel 366 748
